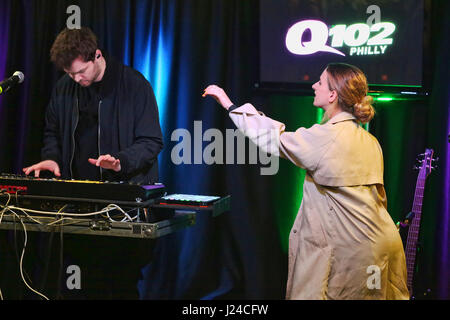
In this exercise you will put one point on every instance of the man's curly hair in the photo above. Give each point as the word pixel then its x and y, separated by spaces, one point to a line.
pixel 71 44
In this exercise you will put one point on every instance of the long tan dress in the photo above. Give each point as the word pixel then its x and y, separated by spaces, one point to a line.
pixel 343 244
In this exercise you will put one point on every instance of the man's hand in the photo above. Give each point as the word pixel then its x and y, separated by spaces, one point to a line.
pixel 218 94
pixel 106 162
pixel 46 165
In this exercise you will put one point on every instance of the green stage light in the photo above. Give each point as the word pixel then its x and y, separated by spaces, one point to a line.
pixel 384 99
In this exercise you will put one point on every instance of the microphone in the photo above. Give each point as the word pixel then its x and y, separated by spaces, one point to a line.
pixel 7 84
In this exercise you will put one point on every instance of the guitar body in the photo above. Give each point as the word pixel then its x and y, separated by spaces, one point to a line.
pixel 413 219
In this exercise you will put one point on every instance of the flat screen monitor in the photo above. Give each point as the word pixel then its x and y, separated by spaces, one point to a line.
pixel 384 38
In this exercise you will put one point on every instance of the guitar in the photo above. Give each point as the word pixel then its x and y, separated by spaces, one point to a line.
pixel 413 218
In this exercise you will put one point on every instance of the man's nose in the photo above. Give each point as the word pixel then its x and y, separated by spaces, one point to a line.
pixel 77 78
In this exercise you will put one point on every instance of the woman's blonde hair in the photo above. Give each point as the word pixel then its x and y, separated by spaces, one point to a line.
pixel 351 86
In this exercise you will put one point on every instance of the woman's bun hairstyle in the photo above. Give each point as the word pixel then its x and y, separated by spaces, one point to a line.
pixel 364 110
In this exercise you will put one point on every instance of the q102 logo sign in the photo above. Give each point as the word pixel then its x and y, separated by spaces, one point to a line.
pixel 360 37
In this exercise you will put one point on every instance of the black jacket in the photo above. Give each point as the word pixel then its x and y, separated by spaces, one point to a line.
pixel 128 125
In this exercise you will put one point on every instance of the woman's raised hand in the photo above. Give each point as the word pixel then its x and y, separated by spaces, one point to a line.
pixel 218 94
